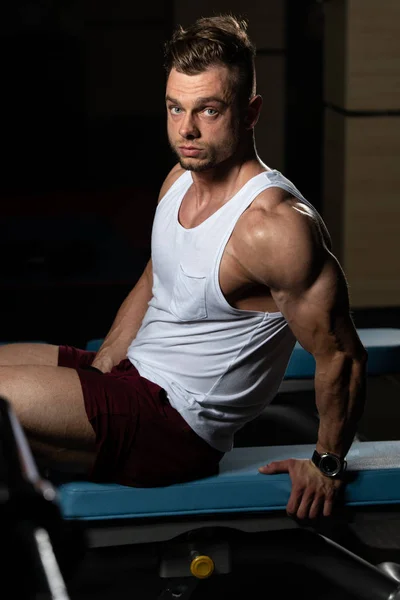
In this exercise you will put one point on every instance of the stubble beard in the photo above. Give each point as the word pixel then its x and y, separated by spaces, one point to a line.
pixel 196 165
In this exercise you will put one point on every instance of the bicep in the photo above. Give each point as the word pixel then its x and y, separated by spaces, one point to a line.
pixel 318 312
pixel 286 250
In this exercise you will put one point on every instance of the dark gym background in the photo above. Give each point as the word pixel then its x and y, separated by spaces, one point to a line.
pixel 85 149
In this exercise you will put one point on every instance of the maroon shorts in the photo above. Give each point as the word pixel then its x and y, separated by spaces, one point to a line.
pixel 141 441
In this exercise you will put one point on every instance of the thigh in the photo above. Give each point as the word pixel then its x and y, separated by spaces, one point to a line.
pixel 48 401
pixel 28 354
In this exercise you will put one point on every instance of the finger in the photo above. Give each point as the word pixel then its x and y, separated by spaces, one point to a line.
pixel 328 505
pixel 294 502
pixel 278 466
pixel 303 511
pixel 316 507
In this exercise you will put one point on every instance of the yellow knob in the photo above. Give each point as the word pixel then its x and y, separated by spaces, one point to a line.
pixel 202 567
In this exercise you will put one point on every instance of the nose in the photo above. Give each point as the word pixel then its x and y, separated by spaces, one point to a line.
pixel 188 129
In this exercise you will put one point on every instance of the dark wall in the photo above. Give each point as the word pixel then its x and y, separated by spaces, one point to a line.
pixel 82 167
pixel 54 136
pixel 304 93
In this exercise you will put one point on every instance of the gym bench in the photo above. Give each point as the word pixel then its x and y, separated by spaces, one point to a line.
pixel 215 525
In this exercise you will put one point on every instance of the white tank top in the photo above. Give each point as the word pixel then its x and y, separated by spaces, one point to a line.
pixel 219 365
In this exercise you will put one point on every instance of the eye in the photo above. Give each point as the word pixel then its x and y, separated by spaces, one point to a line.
pixel 211 112
pixel 175 110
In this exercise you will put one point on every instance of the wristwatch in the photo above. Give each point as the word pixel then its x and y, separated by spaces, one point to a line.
pixel 329 464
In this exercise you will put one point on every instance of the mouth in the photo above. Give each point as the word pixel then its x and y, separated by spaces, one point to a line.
pixel 189 150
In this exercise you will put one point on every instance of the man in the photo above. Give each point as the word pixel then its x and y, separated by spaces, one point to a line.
pixel 241 267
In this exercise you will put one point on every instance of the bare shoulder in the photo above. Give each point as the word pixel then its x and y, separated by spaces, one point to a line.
pixel 284 210
pixel 281 240
pixel 170 179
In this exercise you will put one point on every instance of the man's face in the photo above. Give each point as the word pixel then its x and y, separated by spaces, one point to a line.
pixel 203 121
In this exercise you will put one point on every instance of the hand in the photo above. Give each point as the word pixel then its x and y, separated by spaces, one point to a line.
pixel 103 363
pixel 312 494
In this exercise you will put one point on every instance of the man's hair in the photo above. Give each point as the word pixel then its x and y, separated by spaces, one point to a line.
pixel 211 41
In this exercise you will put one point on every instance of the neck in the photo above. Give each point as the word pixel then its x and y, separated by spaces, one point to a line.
pixel 219 184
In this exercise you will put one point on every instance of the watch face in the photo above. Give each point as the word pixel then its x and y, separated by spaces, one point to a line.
pixel 330 464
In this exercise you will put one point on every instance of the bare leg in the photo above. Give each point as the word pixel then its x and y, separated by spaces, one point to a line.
pixel 48 402
pixel 29 354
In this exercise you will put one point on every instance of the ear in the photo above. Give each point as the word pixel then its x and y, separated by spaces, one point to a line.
pixel 253 112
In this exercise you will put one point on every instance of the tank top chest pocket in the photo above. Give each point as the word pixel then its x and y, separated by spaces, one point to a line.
pixel 188 301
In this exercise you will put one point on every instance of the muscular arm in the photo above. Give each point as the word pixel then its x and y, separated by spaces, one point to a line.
pixel 318 313
pixel 308 285
pixel 283 248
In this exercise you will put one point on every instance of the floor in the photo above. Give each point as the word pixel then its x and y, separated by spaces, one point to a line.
pixel 112 574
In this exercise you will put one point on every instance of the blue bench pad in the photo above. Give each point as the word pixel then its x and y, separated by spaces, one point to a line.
pixel 238 488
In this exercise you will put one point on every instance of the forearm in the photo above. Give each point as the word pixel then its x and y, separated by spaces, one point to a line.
pixel 127 321
pixel 340 398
